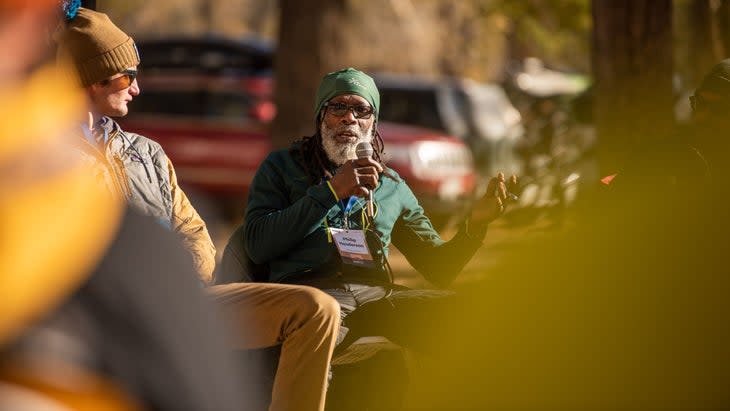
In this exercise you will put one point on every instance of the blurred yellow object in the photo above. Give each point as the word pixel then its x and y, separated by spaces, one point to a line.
pixel 57 221
pixel 27 385
pixel 10 6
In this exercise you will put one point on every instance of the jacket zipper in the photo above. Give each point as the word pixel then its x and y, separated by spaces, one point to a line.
pixel 137 154
pixel 117 167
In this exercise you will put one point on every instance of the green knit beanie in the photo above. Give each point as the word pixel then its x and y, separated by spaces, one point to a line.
pixel 97 48
pixel 347 81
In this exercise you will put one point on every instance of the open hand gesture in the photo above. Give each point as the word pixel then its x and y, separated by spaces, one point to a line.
pixel 494 201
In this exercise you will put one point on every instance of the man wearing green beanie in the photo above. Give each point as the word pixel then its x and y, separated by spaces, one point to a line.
pixel 307 219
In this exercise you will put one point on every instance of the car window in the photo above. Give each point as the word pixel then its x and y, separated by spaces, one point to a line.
pixel 410 106
pixel 196 103
pixel 194 57
pixel 454 109
pixel 228 105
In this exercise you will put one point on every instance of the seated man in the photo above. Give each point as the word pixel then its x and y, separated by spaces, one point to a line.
pixel 307 219
pixel 133 167
pixel 689 163
pixel 304 320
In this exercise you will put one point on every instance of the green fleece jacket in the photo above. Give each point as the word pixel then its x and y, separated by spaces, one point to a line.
pixel 288 215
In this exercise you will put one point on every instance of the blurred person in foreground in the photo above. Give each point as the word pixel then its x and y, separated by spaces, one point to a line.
pixel 303 320
pixel 82 280
pixel 612 313
pixel 307 220
pixel 626 309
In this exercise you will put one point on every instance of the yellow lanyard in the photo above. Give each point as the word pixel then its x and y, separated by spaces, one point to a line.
pixel 362 215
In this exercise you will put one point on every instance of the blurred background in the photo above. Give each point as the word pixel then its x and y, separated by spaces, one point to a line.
pixel 556 91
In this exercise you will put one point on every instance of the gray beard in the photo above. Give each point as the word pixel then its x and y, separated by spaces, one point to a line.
pixel 339 153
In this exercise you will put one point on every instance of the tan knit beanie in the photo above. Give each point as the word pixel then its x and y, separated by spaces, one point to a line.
pixel 97 48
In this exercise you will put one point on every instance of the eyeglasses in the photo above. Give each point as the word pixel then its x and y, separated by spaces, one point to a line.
pixel 341 109
pixel 123 81
pixel 694 100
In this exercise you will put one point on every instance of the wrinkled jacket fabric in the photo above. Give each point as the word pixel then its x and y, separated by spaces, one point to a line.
pixel 287 218
pixel 138 169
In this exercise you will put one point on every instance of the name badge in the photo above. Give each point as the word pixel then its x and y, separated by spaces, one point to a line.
pixel 352 247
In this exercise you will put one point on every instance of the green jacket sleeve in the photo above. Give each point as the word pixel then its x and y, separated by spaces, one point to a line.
pixel 437 260
pixel 274 223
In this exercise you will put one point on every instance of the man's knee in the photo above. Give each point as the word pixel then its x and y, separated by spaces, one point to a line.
pixel 314 303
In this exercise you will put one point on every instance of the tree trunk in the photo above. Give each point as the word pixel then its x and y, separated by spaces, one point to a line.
pixel 402 36
pixel 632 71
pixel 722 24
pixel 309 44
pixel 705 48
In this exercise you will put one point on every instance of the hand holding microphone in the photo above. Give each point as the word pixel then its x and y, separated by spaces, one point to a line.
pixel 358 177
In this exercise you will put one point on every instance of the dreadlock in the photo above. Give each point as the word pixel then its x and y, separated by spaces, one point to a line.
pixel 314 159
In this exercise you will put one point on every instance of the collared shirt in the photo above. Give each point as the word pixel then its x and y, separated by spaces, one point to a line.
pixel 99 136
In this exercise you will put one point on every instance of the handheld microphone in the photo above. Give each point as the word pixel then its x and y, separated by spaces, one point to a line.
pixel 365 150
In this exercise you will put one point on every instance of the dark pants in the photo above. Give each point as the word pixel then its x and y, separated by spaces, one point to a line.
pixel 404 316
pixel 400 314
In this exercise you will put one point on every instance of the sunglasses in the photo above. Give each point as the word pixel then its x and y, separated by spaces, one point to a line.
pixel 694 101
pixel 358 110
pixel 123 81
pixel 714 104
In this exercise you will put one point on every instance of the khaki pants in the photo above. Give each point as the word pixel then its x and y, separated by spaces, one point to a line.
pixel 304 320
